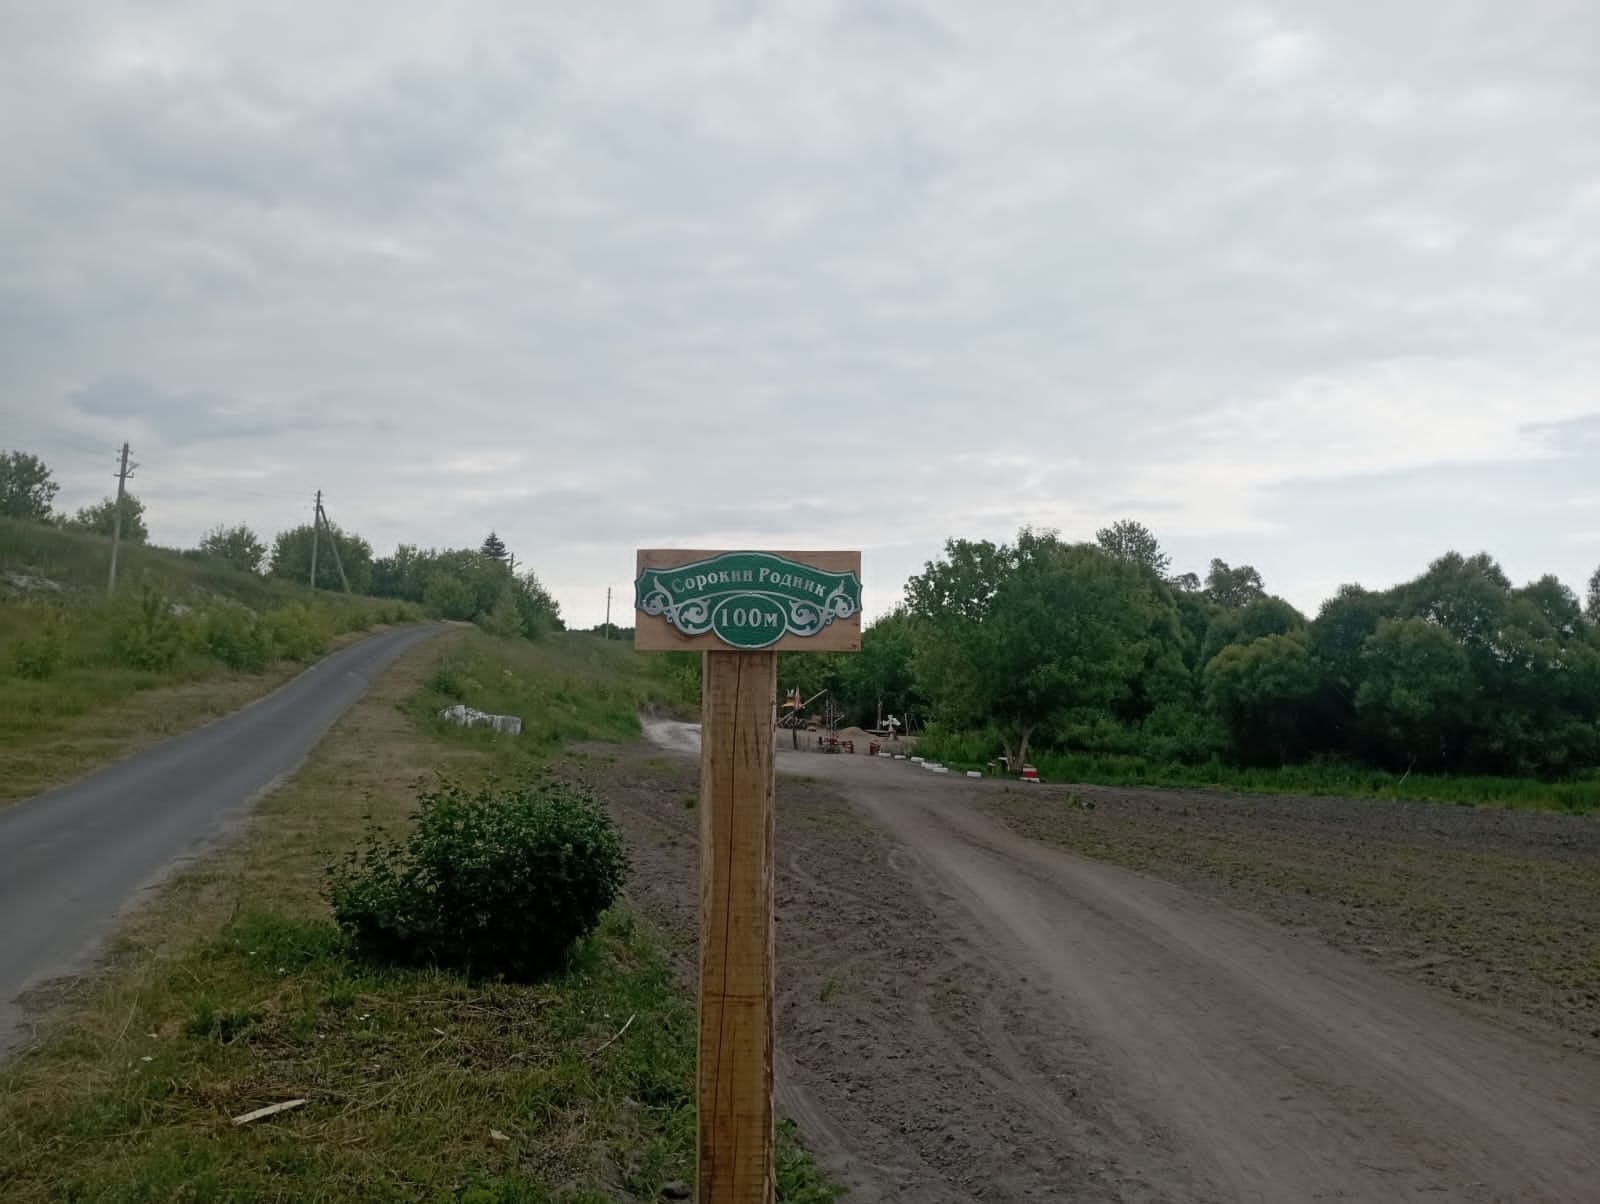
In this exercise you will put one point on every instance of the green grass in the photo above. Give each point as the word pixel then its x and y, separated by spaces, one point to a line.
pixel 567 689
pixel 1579 795
pixel 86 678
pixel 234 990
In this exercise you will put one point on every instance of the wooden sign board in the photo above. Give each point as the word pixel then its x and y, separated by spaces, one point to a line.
pixel 747 601
pixel 741 609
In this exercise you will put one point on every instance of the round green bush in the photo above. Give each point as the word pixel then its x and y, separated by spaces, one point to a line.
pixel 496 881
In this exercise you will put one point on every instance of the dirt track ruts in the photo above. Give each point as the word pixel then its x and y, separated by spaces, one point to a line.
pixel 968 1014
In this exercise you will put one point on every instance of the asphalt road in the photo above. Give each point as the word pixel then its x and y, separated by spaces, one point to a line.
pixel 72 859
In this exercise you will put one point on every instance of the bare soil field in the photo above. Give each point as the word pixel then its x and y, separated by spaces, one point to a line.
pixel 1495 906
pixel 1297 1000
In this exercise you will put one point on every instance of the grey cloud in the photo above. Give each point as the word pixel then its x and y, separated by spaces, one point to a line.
pixel 774 269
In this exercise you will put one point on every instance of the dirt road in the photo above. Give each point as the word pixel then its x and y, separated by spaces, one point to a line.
pixel 970 1014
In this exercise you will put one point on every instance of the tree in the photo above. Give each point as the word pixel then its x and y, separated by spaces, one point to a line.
pixel 1593 601
pixel 101 518
pixel 1259 690
pixel 1129 540
pixel 1468 597
pixel 26 487
pixel 403 575
pixel 1340 631
pixel 1557 604
pixel 463 583
pixel 1185 583
pixel 238 546
pixel 494 547
pixel 1266 615
pixel 291 557
pixel 879 677
pixel 1415 692
pixel 1233 587
pixel 1014 636
pixel 539 610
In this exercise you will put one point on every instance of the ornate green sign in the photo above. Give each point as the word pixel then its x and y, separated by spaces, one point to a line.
pixel 748 600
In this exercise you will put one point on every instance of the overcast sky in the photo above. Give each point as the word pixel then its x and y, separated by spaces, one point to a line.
pixel 1311 287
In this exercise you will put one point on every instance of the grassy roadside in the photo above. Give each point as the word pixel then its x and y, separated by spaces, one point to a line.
pixel 87 679
pixel 232 990
pixel 1577 796
pixel 45 745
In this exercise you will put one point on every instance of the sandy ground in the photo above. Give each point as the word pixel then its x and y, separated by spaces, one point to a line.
pixel 968 1011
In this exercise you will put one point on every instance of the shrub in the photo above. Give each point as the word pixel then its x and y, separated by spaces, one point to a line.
pixel 496 881
pixel 238 639
pixel 295 633
pixel 1186 735
pixel 147 634
pixel 39 653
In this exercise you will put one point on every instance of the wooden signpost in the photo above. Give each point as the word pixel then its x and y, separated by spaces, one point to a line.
pixel 740 609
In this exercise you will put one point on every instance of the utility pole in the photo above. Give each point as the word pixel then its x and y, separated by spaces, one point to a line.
pixel 608 612
pixel 123 473
pixel 333 544
pixel 316 533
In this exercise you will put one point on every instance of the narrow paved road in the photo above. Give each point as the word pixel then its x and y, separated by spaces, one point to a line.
pixel 1211 1055
pixel 72 859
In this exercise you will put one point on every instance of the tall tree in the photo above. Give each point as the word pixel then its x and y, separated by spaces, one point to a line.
pixel 101 518
pixel 1260 690
pixel 1592 602
pixel 1129 540
pixel 26 487
pixel 1233 587
pixel 239 546
pixel 494 547
pixel 291 557
pixel 1415 693
pixel 1013 636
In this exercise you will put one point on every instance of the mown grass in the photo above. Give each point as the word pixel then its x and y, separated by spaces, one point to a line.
pixel 1579 795
pixel 233 990
pixel 88 678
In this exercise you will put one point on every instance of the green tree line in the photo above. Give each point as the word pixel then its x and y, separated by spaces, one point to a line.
pixel 472 584
pixel 1093 647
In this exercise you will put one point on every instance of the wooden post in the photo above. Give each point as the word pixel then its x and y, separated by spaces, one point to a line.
pixel 734 1089
pixel 740 609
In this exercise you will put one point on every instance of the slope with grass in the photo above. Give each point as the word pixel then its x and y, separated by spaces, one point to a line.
pixel 232 990
pixel 89 678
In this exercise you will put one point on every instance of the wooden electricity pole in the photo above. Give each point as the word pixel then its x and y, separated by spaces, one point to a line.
pixel 608 612
pixel 333 544
pixel 741 609
pixel 316 535
pixel 124 471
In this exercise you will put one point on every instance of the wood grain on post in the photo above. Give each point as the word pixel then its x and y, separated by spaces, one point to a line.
pixel 734 1090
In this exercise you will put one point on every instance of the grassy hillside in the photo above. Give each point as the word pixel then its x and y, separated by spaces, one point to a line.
pixel 87 678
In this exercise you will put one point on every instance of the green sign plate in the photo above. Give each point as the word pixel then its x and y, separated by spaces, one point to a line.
pixel 748 600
